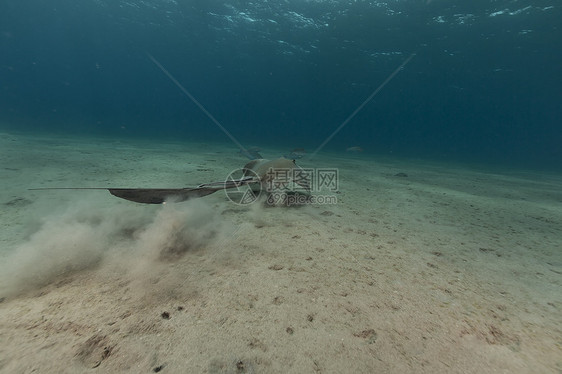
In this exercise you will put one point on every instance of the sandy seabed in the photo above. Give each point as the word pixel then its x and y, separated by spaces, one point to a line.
pixel 420 267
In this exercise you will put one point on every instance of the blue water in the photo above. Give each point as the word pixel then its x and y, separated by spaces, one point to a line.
pixel 484 86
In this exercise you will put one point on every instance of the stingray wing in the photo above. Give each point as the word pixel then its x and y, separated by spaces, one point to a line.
pixel 147 195
pixel 160 195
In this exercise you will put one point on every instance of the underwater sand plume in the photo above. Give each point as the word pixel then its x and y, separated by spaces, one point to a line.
pixel 85 236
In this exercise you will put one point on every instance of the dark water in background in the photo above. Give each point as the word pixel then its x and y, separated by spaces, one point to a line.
pixel 485 85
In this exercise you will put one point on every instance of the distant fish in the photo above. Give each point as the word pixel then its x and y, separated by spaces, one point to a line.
pixel 355 149
pixel 295 154
pixel 253 153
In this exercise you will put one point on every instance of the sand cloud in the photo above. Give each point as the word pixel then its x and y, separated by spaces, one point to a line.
pixel 88 234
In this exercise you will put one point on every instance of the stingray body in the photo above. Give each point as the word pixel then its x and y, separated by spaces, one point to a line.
pixel 260 173
pixel 275 173
pixel 265 168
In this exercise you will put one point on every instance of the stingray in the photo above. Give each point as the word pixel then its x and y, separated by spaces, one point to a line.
pixel 259 174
